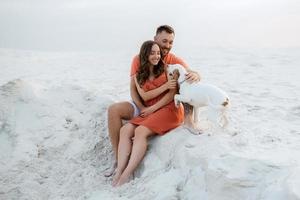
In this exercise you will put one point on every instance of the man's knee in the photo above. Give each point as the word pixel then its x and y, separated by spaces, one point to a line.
pixel 113 109
pixel 122 110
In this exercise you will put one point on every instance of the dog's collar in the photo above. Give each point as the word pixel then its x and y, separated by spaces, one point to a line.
pixel 181 82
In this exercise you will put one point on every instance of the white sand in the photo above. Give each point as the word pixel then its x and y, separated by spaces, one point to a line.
pixel 54 141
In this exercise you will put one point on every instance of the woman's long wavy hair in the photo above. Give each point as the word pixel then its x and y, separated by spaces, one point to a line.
pixel 144 68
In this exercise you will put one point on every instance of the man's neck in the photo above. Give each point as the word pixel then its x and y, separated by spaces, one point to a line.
pixel 164 56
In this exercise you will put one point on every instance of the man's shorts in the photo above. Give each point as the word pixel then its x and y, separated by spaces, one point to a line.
pixel 135 108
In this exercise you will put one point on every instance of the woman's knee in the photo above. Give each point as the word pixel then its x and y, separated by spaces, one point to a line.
pixel 127 131
pixel 142 132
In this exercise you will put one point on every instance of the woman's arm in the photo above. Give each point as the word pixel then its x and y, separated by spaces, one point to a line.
pixel 170 84
pixel 167 98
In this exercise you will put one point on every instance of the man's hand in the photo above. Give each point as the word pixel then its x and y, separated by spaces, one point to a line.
pixel 192 77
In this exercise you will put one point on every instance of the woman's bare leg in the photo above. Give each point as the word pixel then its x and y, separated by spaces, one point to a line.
pixel 139 148
pixel 124 150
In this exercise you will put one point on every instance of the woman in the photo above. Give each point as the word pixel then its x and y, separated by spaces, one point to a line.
pixel 158 117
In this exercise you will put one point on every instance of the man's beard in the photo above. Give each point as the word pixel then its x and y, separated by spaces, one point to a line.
pixel 165 51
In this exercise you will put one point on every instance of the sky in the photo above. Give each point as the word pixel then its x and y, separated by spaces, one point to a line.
pixel 93 25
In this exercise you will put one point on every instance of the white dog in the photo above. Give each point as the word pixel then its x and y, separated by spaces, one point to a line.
pixel 199 95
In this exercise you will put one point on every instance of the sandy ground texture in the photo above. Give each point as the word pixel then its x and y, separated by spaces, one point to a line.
pixel 54 141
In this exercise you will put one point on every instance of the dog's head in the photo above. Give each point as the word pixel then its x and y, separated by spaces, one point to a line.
pixel 175 75
pixel 177 72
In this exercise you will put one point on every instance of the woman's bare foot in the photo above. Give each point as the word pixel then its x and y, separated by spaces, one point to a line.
pixel 116 178
pixel 124 178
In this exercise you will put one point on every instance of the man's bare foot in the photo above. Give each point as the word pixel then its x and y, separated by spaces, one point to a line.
pixel 110 171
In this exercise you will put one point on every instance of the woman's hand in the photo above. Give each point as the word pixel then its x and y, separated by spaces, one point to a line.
pixel 147 111
pixel 171 84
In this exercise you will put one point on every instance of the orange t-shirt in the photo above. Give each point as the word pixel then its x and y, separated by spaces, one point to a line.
pixel 168 59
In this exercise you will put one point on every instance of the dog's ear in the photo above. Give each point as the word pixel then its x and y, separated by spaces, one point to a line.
pixel 176 74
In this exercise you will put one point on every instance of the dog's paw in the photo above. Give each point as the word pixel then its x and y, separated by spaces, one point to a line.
pixel 194 131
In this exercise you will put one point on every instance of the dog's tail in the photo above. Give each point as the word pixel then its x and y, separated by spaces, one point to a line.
pixel 224 117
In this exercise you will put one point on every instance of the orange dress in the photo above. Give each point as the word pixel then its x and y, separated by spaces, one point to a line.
pixel 164 119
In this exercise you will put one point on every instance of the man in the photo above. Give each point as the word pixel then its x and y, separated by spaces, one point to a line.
pixel 127 110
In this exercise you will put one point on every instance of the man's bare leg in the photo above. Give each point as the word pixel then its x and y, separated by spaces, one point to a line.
pixel 116 113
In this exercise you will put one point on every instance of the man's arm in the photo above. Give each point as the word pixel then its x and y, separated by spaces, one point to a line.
pixel 170 84
pixel 134 94
pixel 191 76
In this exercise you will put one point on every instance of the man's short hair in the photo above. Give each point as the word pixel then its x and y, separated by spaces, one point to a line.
pixel 166 28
